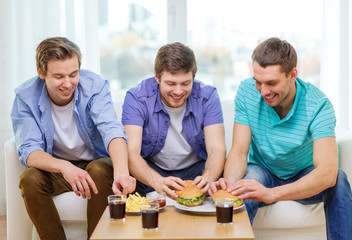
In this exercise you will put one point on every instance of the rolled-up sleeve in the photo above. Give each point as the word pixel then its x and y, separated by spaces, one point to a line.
pixel 132 113
pixel 103 114
pixel 213 110
pixel 28 135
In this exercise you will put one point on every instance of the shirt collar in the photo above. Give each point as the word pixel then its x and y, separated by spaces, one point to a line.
pixel 189 107
pixel 44 101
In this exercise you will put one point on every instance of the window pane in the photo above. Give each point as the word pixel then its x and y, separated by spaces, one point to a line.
pixel 130 34
pixel 225 32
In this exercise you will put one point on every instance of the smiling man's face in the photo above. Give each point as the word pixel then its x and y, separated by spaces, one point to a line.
pixel 61 79
pixel 175 88
pixel 277 88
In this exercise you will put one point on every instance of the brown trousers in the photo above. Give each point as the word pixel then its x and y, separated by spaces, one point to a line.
pixel 38 187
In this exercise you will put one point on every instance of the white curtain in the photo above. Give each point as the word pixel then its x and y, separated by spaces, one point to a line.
pixel 23 24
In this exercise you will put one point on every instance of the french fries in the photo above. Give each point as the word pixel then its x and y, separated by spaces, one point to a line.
pixel 134 201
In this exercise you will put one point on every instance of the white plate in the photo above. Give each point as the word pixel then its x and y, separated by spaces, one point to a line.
pixel 206 208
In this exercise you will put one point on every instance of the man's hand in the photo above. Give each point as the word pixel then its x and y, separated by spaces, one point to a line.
pixel 251 189
pixel 167 185
pixel 79 179
pixel 124 184
pixel 202 182
pixel 220 184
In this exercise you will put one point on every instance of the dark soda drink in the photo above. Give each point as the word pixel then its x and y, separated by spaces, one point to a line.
pixel 150 219
pixel 117 210
pixel 224 214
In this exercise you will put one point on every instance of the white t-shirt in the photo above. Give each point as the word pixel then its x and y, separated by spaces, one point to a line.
pixel 68 144
pixel 176 153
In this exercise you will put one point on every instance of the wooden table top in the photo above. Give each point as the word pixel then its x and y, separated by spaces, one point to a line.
pixel 175 224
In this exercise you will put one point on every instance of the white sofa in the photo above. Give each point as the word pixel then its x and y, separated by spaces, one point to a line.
pixel 282 220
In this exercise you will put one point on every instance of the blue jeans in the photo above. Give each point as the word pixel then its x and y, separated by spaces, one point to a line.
pixel 337 200
pixel 189 173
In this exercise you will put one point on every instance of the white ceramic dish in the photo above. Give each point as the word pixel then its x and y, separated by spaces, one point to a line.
pixel 206 208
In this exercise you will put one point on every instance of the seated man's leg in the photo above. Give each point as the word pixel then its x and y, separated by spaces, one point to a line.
pixel 337 205
pixel 338 209
pixel 262 176
pixel 37 188
pixel 101 171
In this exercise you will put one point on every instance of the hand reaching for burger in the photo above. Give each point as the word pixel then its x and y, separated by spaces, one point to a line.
pixel 220 184
pixel 168 185
pixel 202 183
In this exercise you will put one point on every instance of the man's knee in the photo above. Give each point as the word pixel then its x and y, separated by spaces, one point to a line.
pixel 99 170
pixel 32 180
pixel 342 182
pixel 255 172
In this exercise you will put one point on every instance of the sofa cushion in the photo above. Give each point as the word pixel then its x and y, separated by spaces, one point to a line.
pixel 296 215
pixel 76 210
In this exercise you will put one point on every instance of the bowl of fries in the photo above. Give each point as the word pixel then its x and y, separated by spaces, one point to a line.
pixel 133 202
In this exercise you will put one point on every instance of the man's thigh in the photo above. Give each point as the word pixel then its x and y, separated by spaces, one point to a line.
pixel 34 180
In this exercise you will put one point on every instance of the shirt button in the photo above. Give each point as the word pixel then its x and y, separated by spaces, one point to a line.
pixel 149 142
pixel 166 122
pixel 162 139
pixel 153 90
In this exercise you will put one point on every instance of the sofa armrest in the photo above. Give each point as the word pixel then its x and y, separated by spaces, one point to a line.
pixel 19 225
pixel 344 141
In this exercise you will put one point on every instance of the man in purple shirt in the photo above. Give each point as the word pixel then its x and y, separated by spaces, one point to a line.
pixel 174 126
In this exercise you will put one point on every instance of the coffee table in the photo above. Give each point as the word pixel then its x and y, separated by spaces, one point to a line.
pixel 175 224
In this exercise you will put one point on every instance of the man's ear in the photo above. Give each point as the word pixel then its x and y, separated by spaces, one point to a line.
pixel 40 73
pixel 157 78
pixel 293 74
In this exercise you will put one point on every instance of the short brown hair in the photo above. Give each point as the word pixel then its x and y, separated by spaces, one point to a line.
pixel 275 51
pixel 56 48
pixel 175 58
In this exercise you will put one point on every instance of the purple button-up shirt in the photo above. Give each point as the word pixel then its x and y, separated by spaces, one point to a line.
pixel 143 107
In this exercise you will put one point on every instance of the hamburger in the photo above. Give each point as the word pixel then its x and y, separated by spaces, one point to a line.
pixel 191 195
pixel 222 194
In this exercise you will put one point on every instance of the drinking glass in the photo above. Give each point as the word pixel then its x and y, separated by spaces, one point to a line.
pixel 224 211
pixel 117 207
pixel 150 216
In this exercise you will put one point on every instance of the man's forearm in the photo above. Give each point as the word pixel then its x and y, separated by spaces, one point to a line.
pixel 235 167
pixel 311 184
pixel 214 165
pixel 44 161
pixel 141 170
pixel 119 156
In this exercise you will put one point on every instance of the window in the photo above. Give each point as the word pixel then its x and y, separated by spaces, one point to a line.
pixel 130 34
pixel 222 34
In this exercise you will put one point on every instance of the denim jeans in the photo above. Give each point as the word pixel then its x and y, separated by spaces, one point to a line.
pixel 337 200
pixel 189 173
